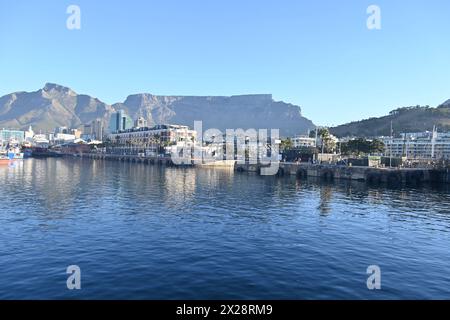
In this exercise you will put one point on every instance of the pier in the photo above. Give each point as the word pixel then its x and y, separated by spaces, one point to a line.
pixel 327 172
pixel 367 174
pixel 165 161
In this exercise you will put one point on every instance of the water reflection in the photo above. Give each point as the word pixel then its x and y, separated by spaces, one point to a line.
pixel 262 235
pixel 56 185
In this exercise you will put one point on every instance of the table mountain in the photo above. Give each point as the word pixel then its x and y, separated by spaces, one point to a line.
pixel 246 111
pixel 56 105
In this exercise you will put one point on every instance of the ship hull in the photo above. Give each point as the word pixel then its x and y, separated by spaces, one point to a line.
pixel 44 153
pixel 5 161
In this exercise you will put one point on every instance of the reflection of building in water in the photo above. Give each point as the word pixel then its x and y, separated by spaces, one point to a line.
pixel 53 183
pixel 179 186
pixel 326 193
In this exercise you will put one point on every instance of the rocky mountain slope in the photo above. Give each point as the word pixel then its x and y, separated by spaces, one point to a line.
pixel 248 111
pixel 56 105
pixel 409 119
pixel 49 107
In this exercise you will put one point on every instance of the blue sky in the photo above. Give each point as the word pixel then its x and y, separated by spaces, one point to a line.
pixel 316 54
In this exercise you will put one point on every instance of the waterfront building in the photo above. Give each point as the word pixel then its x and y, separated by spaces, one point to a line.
pixel 87 131
pixel 140 123
pixel 303 142
pixel 97 129
pixel 7 135
pixel 152 140
pixel 76 133
pixel 120 121
pixel 63 130
pixel 93 130
pixel 63 138
pixel 419 145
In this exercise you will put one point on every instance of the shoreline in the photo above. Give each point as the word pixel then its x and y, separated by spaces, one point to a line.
pixel 328 172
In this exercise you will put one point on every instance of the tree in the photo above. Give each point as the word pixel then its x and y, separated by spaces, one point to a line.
pixel 362 146
pixel 377 146
pixel 286 144
pixel 327 143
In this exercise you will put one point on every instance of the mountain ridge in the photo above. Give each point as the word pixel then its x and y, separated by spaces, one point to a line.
pixel 406 119
pixel 56 105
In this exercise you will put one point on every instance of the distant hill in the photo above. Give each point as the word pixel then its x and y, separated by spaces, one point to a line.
pixel 55 105
pixel 408 119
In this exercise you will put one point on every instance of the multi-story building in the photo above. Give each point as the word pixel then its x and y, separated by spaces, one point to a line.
pixel 93 130
pixel 151 140
pixel 303 142
pixel 140 123
pixel 76 133
pixel 98 129
pixel 63 130
pixel 87 131
pixel 120 121
pixel 7 135
pixel 420 145
pixel 59 138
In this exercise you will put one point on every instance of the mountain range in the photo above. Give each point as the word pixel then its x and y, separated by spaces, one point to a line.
pixel 55 105
pixel 404 120
pixel 58 106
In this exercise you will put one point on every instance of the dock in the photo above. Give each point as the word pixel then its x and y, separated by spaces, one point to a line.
pixel 327 172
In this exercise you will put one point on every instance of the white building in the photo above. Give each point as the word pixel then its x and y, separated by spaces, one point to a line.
pixel 419 145
pixel 140 123
pixel 163 133
pixel 63 138
pixel 303 142
pixel 152 139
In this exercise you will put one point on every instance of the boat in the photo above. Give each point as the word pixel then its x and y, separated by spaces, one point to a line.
pixel 27 149
pixel 13 151
pixel 5 158
pixel 27 152
pixel 41 148
pixel 17 155
pixel 44 152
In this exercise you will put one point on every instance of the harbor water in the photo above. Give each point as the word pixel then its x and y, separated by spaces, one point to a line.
pixel 148 232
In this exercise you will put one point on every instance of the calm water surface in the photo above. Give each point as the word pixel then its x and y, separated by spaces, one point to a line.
pixel 144 232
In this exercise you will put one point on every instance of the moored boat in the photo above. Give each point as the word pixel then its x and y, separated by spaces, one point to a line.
pixel 27 152
pixel 15 154
pixel 44 152
pixel 4 159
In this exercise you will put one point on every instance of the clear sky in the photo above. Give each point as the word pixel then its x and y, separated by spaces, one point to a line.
pixel 316 54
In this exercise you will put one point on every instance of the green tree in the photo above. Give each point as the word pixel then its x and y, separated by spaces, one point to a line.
pixel 286 144
pixel 328 143
pixel 377 146
pixel 360 146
